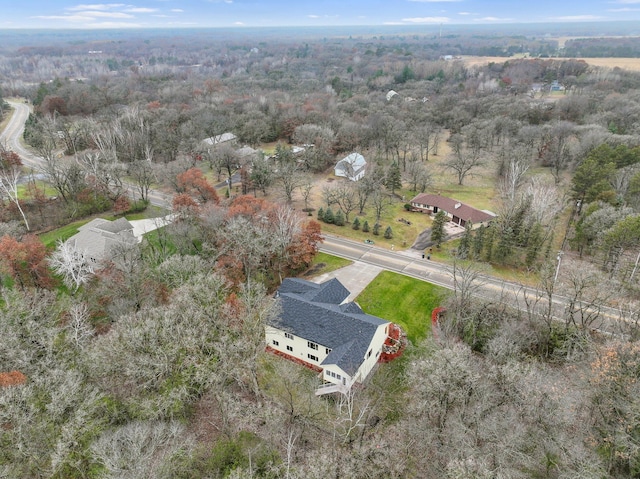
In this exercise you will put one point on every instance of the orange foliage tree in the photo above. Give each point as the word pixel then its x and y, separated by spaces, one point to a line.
pixel 249 207
pixel 185 206
pixel 305 246
pixel 193 183
pixel 25 261
pixel 290 242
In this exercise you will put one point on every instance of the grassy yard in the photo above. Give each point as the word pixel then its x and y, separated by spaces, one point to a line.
pixel 403 234
pixel 405 301
pixel 64 233
pixel 325 263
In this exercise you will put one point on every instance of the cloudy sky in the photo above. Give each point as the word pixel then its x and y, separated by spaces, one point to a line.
pixel 260 13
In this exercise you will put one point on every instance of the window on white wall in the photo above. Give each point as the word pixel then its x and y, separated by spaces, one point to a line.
pixel 276 343
pixel 312 345
pixel 288 335
pixel 312 357
pixel 290 348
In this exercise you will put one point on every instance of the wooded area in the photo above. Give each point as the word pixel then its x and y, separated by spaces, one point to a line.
pixel 154 365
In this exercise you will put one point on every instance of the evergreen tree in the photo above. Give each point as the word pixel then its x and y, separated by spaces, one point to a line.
pixel 437 228
pixel 329 216
pixel 478 242
pixel 376 229
pixel 534 244
pixel 547 251
pixel 321 214
pixel 464 248
pixel 393 180
pixel 356 224
pixel 489 238
pixel 338 219
pixel 365 226
pixel 388 233
pixel 505 245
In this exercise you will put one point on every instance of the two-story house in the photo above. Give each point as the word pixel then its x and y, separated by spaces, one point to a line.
pixel 316 328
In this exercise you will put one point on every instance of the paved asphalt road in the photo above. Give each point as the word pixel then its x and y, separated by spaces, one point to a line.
pixel 521 297
pixel 407 262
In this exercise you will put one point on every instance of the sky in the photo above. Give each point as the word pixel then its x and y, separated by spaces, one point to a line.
pixel 270 13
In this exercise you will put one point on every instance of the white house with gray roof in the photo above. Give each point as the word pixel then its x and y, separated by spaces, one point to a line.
pixel 220 139
pixel 351 166
pixel 316 328
pixel 100 238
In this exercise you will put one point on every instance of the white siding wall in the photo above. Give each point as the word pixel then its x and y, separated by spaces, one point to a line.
pixel 301 349
pixel 375 348
pixel 338 376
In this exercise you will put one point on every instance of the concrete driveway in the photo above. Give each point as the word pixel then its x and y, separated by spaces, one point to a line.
pixel 140 227
pixel 354 277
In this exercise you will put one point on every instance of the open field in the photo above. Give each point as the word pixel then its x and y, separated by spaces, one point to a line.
pixel 625 63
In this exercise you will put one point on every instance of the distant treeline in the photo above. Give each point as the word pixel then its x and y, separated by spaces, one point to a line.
pixel 627 47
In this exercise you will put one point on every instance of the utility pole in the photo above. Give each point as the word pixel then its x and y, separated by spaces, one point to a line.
pixel 559 258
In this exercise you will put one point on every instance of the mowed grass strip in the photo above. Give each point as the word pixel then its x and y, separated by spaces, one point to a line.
pixel 63 233
pixel 325 263
pixel 406 301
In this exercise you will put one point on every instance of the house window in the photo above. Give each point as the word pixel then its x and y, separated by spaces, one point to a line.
pixel 328 350
pixel 338 376
pixel 288 335
pixel 369 354
pixel 276 343
pixel 312 345
pixel 290 348
pixel 312 357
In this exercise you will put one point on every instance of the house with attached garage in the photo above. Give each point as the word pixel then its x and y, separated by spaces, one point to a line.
pixel 457 212
pixel 318 329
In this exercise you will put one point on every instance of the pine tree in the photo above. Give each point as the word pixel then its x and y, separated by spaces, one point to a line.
pixel 329 216
pixel 321 214
pixel 489 239
pixel 505 245
pixel 478 242
pixel 534 244
pixel 356 224
pixel 365 226
pixel 464 248
pixel 393 181
pixel 376 229
pixel 437 228
pixel 388 233
pixel 338 219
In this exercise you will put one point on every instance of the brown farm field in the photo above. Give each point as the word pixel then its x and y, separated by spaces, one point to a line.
pixel 624 63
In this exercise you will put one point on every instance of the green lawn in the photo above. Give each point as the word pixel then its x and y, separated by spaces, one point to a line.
pixel 403 234
pixel 64 233
pixel 325 263
pixel 405 301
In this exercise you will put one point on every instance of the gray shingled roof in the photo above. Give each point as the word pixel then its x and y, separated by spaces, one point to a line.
pixel 99 237
pixel 314 312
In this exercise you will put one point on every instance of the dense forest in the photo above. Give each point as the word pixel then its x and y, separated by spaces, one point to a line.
pixel 154 365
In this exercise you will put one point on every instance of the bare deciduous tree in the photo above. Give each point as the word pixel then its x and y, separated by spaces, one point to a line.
pixel 73 264
pixel 463 159
pixel 10 173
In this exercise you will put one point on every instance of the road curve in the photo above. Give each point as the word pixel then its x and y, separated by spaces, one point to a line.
pixel 12 135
